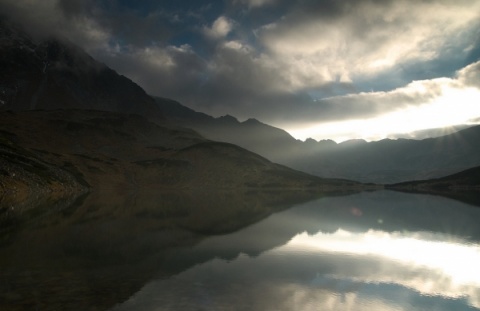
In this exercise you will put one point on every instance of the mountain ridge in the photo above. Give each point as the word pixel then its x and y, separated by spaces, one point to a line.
pixel 462 186
pixel 468 179
pixel 385 161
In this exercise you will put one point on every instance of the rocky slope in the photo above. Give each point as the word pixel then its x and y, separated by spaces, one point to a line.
pixel 25 176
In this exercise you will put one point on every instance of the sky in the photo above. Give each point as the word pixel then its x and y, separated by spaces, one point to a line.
pixel 325 69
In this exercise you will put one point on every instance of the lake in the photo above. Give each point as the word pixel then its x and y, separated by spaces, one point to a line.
pixel 379 250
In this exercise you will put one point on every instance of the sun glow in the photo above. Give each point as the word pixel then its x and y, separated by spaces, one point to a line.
pixel 456 106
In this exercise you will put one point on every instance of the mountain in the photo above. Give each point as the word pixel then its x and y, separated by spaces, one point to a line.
pixel 51 73
pixel 70 123
pixel 385 161
pixel 466 180
pixel 462 186
pixel 120 153
pixel 273 143
pixel 391 161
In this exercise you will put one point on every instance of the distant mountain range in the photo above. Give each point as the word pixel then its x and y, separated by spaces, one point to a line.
pixel 385 161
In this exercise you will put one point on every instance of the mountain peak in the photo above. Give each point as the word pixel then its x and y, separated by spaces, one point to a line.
pixel 252 121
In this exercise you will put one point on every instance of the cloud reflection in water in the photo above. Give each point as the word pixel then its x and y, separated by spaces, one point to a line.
pixel 431 264
pixel 423 255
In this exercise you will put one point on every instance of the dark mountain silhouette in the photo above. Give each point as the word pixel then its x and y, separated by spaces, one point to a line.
pixel 51 73
pixel 462 186
pixel 385 161
pixel 467 179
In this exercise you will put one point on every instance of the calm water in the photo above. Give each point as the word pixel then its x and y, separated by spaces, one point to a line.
pixel 368 251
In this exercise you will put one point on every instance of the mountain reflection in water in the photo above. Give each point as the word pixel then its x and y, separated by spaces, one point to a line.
pixel 266 250
pixel 97 251
pixel 367 251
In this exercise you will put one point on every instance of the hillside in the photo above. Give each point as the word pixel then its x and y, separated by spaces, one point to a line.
pixel 106 150
pixel 24 176
pixel 385 161
pixel 462 186
pixel 465 180
pixel 271 142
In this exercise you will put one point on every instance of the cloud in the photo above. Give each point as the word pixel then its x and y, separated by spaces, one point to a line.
pixel 318 42
pixel 470 75
pixel 50 17
pixel 255 3
pixel 163 71
pixel 220 28
pixel 371 270
pixel 420 105
pixel 75 8
pixel 329 46
pixel 94 25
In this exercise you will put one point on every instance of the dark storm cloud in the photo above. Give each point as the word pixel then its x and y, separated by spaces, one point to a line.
pixel 167 72
pixel 125 22
pixel 125 25
pixel 38 23
pixel 75 8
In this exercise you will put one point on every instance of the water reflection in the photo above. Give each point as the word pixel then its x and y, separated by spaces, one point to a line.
pixel 95 252
pixel 369 251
